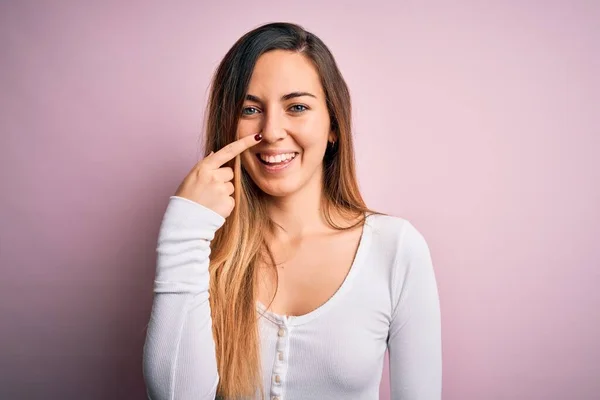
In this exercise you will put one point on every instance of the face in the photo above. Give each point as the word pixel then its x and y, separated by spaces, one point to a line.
pixel 286 104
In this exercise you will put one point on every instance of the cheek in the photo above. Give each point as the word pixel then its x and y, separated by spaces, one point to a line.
pixel 247 159
pixel 247 128
pixel 311 134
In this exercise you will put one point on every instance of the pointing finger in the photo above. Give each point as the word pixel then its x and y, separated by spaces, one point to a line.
pixel 230 151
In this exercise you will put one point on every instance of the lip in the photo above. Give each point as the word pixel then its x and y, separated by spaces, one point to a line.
pixel 275 168
pixel 276 152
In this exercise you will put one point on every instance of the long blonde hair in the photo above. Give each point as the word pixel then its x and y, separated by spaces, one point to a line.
pixel 240 244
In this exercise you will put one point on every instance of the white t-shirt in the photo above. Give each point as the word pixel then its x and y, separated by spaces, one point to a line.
pixel 389 299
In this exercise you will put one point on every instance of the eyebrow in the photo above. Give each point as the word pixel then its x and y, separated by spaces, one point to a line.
pixel 251 97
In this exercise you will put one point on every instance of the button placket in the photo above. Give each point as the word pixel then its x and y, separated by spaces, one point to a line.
pixel 280 365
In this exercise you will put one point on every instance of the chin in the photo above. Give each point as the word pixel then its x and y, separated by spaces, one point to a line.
pixel 277 189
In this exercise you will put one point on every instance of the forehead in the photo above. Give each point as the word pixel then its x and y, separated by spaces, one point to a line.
pixel 279 72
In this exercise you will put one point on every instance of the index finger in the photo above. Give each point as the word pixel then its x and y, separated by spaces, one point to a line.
pixel 230 151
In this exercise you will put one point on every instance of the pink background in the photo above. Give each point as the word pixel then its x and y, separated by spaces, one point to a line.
pixel 476 120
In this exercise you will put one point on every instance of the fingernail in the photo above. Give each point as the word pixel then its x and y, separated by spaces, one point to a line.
pixel 257 137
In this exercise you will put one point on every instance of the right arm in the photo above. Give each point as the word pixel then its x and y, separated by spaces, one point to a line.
pixel 179 353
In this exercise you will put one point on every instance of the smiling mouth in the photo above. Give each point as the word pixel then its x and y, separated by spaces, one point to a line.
pixel 279 159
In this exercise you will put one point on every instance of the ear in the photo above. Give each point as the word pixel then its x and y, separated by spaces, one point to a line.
pixel 333 129
pixel 333 137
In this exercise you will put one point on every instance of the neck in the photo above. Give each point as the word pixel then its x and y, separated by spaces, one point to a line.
pixel 299 214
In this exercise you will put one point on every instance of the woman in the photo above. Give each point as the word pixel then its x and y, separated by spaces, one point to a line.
pixel 305 287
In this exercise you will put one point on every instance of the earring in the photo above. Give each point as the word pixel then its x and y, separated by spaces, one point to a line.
pixel 330 146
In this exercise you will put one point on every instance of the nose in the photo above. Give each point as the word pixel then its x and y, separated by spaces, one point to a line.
pixel 273 128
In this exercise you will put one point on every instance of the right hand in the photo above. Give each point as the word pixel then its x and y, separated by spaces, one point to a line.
pixel 209 184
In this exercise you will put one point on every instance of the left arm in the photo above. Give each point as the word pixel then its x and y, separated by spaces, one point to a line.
pixel 414 340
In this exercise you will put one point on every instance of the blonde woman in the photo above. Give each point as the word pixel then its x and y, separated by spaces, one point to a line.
pixel 274 280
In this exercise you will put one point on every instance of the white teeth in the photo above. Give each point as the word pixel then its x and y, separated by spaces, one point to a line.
pixel 278 158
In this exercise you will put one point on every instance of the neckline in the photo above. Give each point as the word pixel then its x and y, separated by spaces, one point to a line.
pixel 357 262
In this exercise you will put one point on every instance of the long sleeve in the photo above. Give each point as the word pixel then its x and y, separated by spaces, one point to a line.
pixel 179 353
pixel 414 341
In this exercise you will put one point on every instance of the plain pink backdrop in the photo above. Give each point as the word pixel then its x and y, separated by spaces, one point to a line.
pixel 476 120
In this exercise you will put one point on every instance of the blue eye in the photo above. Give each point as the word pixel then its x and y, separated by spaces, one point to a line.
pixel 249 111
pixel 298 108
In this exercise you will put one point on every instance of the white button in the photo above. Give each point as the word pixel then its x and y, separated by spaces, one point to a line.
pixel 281 332
pixel 277 379
pixel 275 397
pixel 280 355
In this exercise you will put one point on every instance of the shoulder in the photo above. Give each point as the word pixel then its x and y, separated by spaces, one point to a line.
pixel 407 256
pixel 397 235
pixel 401 247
